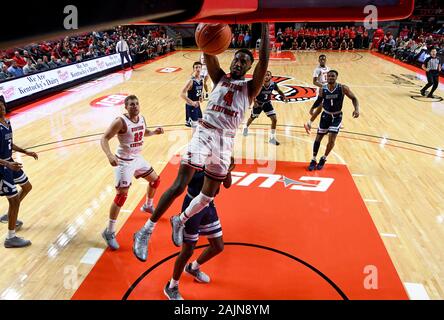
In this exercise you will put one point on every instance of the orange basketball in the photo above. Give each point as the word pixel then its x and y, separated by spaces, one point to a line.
pixel 213 38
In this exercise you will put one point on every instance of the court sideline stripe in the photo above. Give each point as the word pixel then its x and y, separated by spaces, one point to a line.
pixel 282 130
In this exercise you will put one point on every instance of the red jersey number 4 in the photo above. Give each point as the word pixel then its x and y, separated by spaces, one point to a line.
pixel 228 98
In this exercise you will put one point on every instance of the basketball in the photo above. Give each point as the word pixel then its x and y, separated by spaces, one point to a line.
pixel 213 39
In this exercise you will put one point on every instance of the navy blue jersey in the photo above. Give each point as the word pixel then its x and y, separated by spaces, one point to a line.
pixel 266 92
pixel 196 184
pixel 6 140
pixel 196 90
pixel 333 99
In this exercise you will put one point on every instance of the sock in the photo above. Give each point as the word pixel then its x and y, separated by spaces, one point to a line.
pixel 173 283
pixel 316 146
pixel 324 157
pixel 314 158
pixel 183 217
pixel 273 134
pixel 11 234
pixel 149 226
pixel 149 202
pixel 195 265
pixel 112 225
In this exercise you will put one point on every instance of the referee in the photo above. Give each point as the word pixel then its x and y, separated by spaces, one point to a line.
pixel 123 48
pixel 432 66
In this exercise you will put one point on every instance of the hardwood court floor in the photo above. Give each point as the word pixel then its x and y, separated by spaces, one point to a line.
pixel 391 152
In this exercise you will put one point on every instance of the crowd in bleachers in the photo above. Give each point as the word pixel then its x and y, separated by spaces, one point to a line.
pixel 329 38
pixel 241 36
pixel 144 43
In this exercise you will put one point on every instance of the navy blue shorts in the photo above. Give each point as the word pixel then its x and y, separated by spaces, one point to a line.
pixel 330 123
pixel 205 223
pixel 193 113
pixel 8 181
pixel 266 107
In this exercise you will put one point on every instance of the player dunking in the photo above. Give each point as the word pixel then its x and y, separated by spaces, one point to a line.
pixel 11 174
pixel 205 223
pixel 320 77
pixel 263 103
pixel 212 143
pixel 330 99
pixel 192 94
pixel 130 129
pixel 204 75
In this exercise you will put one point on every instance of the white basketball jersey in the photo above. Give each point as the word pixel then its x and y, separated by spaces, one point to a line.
pixel 321 74
pixel 131 141
pixel 227 104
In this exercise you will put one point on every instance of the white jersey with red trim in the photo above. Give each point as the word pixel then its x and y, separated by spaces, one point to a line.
pixel 227 104
pixel 131 142
pixel 321 74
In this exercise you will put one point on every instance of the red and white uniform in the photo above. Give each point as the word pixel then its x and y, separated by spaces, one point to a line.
pixel 204 71
pixel 131 162
pixel 321 74
pixel 212 143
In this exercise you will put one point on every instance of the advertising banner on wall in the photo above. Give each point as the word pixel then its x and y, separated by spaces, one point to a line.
pixel 34 83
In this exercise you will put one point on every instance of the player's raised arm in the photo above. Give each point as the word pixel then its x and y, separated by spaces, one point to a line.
pixel 255 85
pixel 354 100
pixel 113 129
pixel 214 69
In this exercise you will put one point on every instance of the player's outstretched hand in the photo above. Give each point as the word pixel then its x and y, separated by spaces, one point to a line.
pixel 113 160
pixel 159 131
pixel 355 114
pixel 32 154
pixel 14 166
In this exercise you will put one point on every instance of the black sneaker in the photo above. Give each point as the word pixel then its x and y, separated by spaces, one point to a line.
pixel 172 293
pixel 321 163
pixel 422 92
pixel 312 165
pixel 430 95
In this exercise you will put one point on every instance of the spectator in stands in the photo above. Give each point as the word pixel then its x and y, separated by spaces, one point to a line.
pixel 20 61
pixel 359 35
pixel 27 55
pixel 313 44
pixel 41 66
pixel 343 45
pixel 91 53
pixel 247 40
pixel 123 49
pixel 4 73
pixel 53 63
pixel 15 70
pixel 329 44
pixel 351 44
pixel 304 45
pixel 240 40
pixel 29 68
pixel 320 45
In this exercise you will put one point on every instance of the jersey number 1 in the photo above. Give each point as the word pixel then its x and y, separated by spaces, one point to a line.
pixel 228 98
